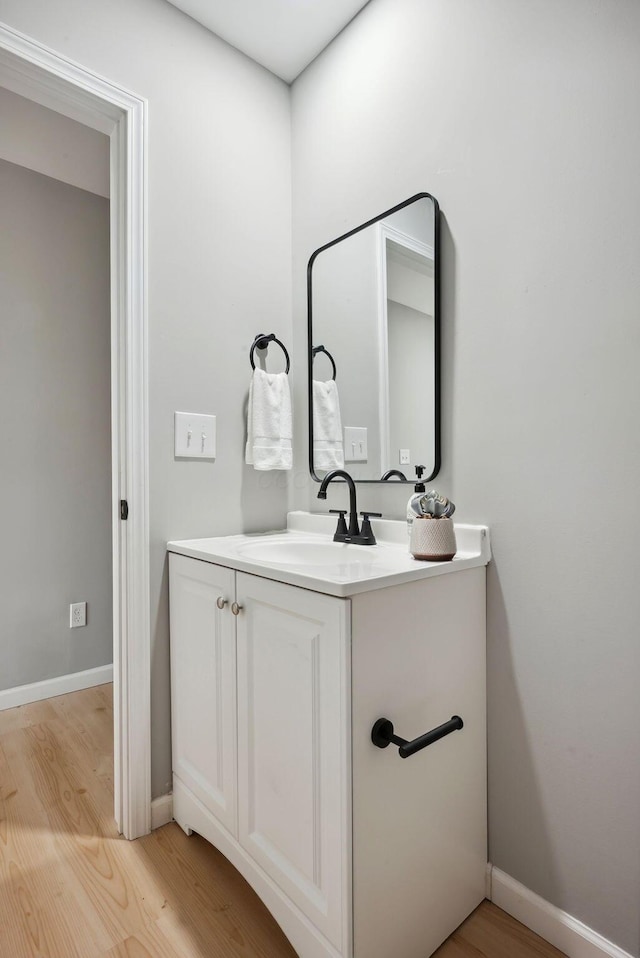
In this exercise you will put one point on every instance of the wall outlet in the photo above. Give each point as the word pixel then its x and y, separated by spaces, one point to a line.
pixel 405 457
pixel 77 615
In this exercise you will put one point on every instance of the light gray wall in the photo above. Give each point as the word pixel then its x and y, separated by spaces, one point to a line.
pixel 345 321
pixel 411 385
pixel 55 481
pixel 416 220
pixel 45 141
pixel 518 118
pixel 219 263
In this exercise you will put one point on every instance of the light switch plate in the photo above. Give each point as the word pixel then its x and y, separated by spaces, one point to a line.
pixel 355 444
pixel 195 436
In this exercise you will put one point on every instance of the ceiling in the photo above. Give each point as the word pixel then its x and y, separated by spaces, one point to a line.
pixel 283 35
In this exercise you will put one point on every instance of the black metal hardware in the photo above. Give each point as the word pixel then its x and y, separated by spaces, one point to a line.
pixel 262 341
pixel 436 330
pixel 124 509
pixel 382 735
pixel 341 533
pixel 354 534
pixel 354 529
pixel 321 349
pixel 367 537
pixel 393 472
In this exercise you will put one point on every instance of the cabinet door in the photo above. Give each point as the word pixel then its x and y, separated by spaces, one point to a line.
pixel 203 684
pixel 293 734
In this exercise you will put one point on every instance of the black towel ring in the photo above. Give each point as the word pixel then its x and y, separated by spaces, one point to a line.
pixel 321 349
pixel 261 341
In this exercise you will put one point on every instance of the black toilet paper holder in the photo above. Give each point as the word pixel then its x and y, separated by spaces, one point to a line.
pixel 382 735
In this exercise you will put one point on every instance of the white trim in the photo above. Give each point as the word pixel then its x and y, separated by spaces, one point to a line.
pixel 60 685
pixel 383 353
pixel 556 926
pixel 487 881
pixel 161 811
pixel 385 233
pixel 407 241
pixel 34 71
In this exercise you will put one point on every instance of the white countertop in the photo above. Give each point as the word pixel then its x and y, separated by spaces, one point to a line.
pixel 334 568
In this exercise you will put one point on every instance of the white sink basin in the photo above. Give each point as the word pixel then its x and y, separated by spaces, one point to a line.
pixel 290 550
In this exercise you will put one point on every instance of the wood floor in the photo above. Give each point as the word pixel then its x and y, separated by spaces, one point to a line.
pixel 71 888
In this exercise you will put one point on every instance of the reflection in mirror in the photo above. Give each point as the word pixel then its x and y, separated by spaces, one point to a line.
pixel 373 302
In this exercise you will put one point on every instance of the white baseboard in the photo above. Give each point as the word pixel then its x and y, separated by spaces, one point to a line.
pixel 556 926
pixel 487 881
pixel 161 811
pixel 24 694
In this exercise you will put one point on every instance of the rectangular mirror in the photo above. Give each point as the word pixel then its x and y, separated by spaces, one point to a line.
pixel 374 363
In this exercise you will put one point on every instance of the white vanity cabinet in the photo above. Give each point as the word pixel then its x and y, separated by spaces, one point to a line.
pixel 260 729
pixel 357 852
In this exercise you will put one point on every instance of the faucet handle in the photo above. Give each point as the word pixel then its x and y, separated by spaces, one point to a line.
pixel 366 537
pixel 341 529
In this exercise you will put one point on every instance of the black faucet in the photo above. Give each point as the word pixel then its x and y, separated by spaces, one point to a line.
pixel 354 534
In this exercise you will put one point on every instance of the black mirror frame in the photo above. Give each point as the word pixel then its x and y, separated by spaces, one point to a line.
pixel 436 332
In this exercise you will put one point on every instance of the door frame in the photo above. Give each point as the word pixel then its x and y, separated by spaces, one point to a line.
pixel 400 238
pixel 32 70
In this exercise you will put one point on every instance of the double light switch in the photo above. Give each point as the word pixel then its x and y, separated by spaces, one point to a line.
pixel 355 444
pixel 195 436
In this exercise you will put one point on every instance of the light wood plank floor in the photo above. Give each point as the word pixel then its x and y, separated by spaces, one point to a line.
pixel 72 888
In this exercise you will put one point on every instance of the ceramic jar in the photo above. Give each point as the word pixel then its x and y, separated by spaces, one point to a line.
pixel 432 540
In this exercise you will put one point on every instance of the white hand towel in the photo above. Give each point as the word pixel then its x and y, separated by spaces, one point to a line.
pixel 269 423
pixel 328 452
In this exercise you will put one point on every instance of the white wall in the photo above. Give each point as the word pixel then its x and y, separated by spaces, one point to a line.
pixel 47 142
pixel 345 305
pixel 219 262
pixel 55 481
pixel 518 118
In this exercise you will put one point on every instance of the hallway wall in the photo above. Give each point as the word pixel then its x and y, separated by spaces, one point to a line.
pixel 55 434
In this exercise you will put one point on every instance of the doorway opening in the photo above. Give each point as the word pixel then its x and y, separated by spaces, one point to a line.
pixel 41 75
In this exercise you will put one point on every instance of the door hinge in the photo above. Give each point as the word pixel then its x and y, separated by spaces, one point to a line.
pixel 124 509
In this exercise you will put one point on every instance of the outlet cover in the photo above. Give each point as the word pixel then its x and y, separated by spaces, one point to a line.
pixel 77 615
pixel 195 436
